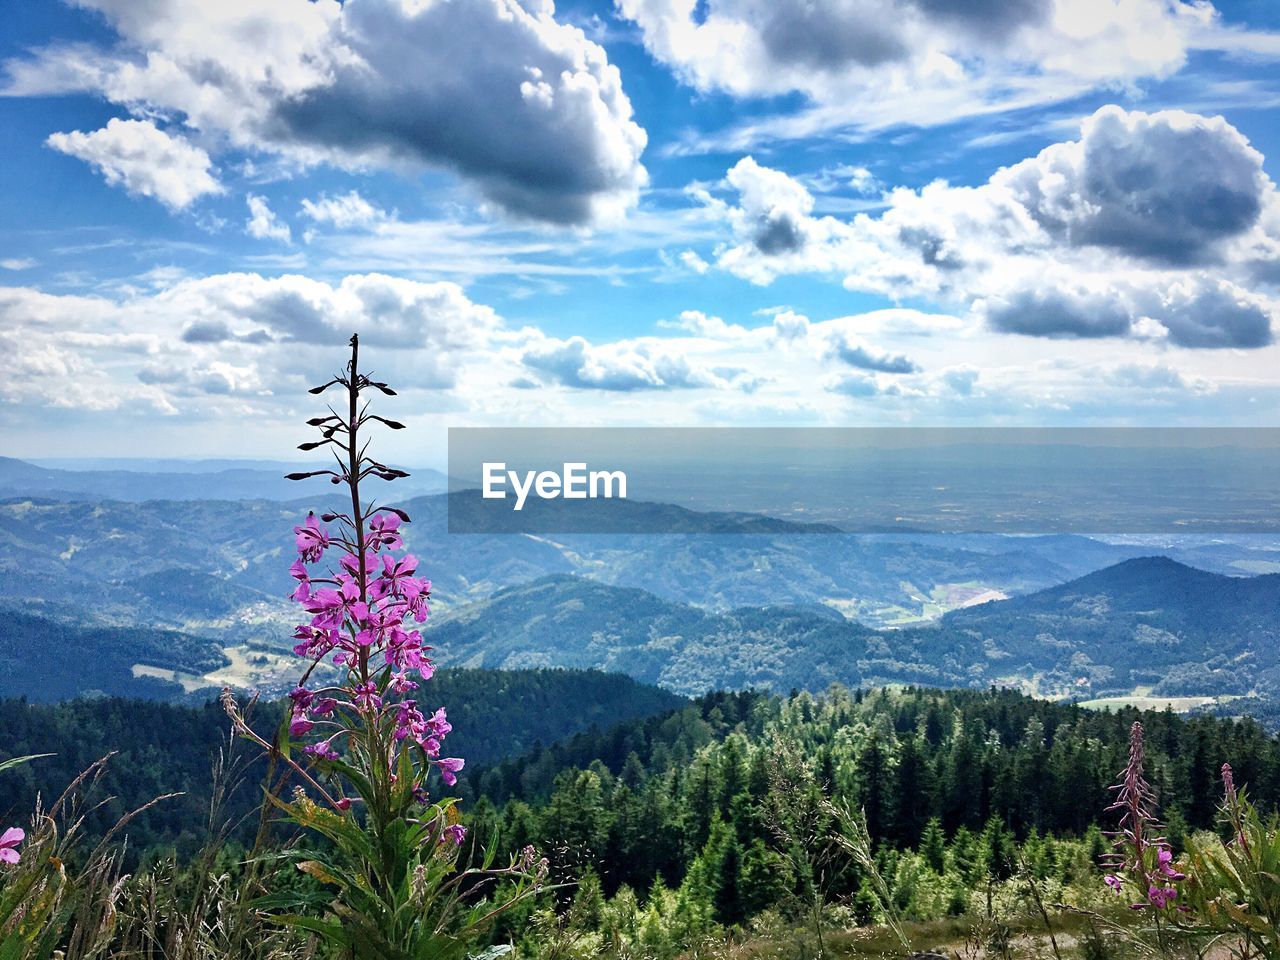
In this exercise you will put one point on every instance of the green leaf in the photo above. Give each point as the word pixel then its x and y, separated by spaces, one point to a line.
pixel 329 929
pixel 13 762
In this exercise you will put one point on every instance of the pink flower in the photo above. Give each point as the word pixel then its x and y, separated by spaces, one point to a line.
pixel 365 696
pixel 456 832
pixel 1164 862
pixel 1114 882
pixel 321 751
pixel 331 607
pixel 1161 897
pixel 449 767
pixel 9 845
pixel 299 572
pixel 397 579
pixel 383 532
pixel 312 539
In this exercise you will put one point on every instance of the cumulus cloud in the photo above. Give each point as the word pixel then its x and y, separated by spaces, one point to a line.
pixel 526 109
pixel 144 159
pixel 625 366
pixel 241 337
pixel 855 385
pixel 345 211
pixel 872 64
pixel 1154 377
pixel 857 353
pixel 263 223
pixel 1154 226
pixel 1169 187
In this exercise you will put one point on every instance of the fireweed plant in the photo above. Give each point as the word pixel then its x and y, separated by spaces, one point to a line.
pixel 1140 865
pixel 366 751
pixel 1234 885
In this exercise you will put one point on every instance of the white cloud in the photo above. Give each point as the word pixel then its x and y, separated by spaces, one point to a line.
pixel 144 159
pixel 855 352
pixel 527 110
pixel 17 263
pixel 263 223
pixel 625 366
pixel 692 261
pixel 1154 226
pixel 196 343
pixel 345 211
pixel 871 64
pixel 236 352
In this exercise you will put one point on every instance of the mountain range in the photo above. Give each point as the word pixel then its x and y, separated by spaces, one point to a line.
pixel 172 598
pixel 1147 623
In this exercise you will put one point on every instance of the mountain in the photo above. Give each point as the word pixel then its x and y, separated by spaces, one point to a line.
pixel 1144 623
pixel 571 622
pixel 47 660
pixel 217 569
pixel 232 556
pixel 174 480
pixel 1148 622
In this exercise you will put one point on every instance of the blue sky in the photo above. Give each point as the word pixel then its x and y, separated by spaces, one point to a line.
pixel 650 212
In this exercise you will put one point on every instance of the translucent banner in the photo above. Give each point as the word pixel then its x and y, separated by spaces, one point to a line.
pixel 873 480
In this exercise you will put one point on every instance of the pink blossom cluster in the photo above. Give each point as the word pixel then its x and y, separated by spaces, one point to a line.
pixel 1140 858
pixel 363 617
pixel 9 842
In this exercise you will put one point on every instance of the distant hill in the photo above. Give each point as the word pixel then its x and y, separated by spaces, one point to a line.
pixel 164 747
pixel 46 660
pixel 120 480
pixel 1146 622
pixel 121 557
pixel 1149 621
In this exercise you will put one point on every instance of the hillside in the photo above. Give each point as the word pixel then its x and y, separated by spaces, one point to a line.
pixel 1146 622
pixel 164 747
pixel 571 622
pixel 46 660
pixel 209 564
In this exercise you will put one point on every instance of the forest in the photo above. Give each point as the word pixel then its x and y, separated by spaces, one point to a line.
pixel 718 818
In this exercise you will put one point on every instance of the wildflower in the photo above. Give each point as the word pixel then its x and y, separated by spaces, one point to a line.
pixel 1161 897
pixel 313 643
pixel 1164 863
pixel 352 565
pixel 365 697
pixel 330 608
pixel 409 721
pixel 300 725
pixel 397 579
pixel 9 841
pixel 359 611
pixel 322 750
pixel 456 832
pixel 383 531
pixel 299 572
pixel 449 767
pixel 402 684
pixel 312 540
pixel 1140 854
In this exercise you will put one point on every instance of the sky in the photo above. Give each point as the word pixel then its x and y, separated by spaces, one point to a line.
pixel 634 212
